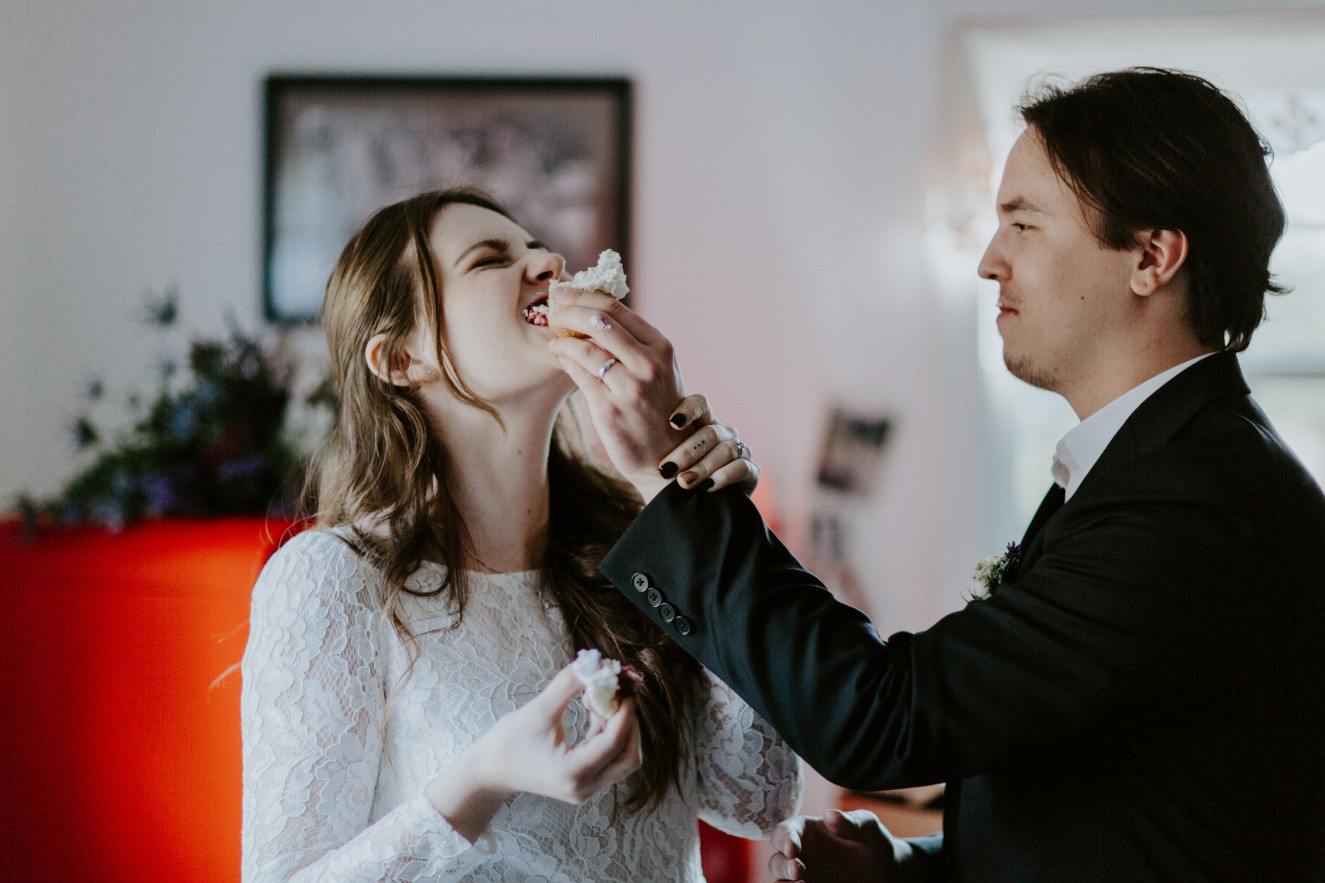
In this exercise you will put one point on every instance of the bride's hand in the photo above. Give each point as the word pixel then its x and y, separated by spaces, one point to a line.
pixel 527 750
pixel 632 386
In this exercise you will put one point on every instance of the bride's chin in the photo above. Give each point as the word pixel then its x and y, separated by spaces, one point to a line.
pixel 552 388
pixel 555 377
pixel 561 385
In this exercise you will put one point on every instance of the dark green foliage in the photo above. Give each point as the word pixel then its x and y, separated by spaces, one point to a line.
pixel 211 447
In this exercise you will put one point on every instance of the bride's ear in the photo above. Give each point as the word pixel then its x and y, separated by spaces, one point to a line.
pixel 406 372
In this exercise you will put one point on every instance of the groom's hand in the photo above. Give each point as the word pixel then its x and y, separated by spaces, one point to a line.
pixel 843 847
pixel 627 372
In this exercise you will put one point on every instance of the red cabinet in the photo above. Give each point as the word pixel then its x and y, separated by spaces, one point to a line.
pixel 121 726
pixel 119 702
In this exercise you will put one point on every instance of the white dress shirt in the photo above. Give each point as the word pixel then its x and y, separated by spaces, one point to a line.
pixel 1079 450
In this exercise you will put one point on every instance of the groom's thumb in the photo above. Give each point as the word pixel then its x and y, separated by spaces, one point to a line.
pixel 854 825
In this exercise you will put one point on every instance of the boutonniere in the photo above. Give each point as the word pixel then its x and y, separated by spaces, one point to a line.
pixel 992 571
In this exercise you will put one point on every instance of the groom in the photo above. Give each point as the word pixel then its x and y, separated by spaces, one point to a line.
pixel 1143 698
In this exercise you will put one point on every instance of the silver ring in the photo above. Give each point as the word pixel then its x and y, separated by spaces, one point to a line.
pixel 607 366
pixel 742 450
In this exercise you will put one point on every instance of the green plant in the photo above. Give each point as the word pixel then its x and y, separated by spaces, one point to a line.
pixel 213 444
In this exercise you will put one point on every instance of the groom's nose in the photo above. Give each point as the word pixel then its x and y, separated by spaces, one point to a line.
pixel 992 264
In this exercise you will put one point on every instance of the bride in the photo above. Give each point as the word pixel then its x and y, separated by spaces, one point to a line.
pixel 408 712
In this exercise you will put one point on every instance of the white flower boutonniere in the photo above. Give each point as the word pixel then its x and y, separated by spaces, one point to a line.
pixel 992 571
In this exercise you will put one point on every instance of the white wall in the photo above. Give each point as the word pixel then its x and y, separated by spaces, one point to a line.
pixel 774 151
pixel 777 155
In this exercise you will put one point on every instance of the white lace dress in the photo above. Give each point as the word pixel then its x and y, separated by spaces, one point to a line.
pixel 322 801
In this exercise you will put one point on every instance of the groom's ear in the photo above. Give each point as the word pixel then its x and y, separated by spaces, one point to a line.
pixel 1161 255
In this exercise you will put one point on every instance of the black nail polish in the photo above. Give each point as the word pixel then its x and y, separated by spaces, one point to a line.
pixel 678 420
pixel 667 470
pixel 705 486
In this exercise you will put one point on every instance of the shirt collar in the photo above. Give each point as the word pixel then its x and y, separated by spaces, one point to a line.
pixel 1080 449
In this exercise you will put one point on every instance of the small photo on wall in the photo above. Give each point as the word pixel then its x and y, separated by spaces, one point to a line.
pixel 852 451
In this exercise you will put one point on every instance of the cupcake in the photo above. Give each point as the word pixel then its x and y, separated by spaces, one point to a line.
pixel 606 277
pixel 605 682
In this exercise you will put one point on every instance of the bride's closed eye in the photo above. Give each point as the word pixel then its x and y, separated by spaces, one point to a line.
pixel 485 253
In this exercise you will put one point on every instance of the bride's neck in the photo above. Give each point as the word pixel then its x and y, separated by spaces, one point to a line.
pixel 500 484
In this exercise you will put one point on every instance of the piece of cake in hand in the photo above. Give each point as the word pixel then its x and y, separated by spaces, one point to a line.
pixel 606 277
pixel 606 682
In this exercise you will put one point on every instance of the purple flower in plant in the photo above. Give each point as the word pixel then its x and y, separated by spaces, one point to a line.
pixel 160 493
pixel 110 513
pixel 240 468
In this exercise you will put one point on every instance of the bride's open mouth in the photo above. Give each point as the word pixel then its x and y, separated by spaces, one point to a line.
pixel 536 312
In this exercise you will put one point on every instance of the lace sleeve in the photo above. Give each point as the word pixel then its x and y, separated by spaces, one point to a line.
pixel 311 710
pixel 748 779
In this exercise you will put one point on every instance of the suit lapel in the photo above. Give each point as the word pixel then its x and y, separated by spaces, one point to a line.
pixel 1164 414
pixel 1052 502
pixel 1157 420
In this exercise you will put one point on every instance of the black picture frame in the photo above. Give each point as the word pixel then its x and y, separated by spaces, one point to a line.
pixel 853 448
pixel 556 150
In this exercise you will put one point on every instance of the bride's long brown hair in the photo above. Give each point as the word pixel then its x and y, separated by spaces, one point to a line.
pixel 384 466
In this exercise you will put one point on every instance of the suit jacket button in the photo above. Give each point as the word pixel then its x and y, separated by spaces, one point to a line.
pixel 667 612
pixel 683 625
pixel 654 597
pixel 640 582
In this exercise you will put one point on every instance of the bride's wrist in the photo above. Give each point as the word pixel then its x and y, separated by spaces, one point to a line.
pixel 649 484
pixel 465 797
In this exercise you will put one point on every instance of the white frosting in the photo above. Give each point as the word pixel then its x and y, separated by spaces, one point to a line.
pixel 607 276
pixel 600 677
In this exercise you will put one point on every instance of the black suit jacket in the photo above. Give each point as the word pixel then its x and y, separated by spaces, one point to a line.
pixel 1145 700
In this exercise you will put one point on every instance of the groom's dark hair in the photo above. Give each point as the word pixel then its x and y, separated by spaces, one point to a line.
pixel 1160 149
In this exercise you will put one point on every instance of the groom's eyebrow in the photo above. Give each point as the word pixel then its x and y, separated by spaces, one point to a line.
pixel 1019 204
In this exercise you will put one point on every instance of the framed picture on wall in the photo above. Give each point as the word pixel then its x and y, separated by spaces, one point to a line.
pixel 555 150
pixel 852 450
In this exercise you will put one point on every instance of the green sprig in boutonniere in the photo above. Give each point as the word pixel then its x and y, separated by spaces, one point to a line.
pixel 993 571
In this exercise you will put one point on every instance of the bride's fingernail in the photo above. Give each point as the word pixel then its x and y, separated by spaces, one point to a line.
pixel 668 469
pixel 678 420
pixel 705 486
